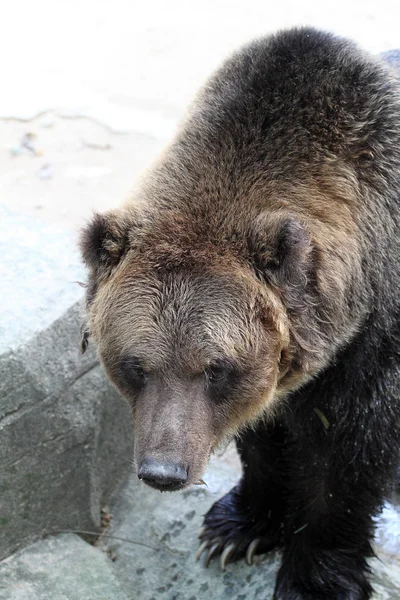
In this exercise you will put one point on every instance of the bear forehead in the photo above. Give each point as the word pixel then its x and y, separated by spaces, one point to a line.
pixel 182 298
pixel 197 238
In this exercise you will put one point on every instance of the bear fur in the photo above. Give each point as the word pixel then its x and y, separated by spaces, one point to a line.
pixel 251 289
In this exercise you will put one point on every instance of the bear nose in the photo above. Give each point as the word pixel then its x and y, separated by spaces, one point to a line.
pixel 162 475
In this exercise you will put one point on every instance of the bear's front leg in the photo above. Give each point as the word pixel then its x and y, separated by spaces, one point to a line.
pixel 334 494
pixel 310 573
pixel 249 519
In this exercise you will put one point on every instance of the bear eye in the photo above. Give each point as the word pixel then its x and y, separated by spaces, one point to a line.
pixel 215 373
pixel 132 372
pixel 221 380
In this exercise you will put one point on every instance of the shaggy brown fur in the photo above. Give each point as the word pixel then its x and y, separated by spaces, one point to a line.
pixel 256 275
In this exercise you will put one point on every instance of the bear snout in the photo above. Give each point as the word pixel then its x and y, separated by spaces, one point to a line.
pixel 162 475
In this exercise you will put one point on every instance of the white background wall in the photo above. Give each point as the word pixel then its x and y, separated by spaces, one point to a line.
pixel 121 61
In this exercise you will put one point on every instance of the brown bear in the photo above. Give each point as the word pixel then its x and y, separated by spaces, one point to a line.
pixel 251 290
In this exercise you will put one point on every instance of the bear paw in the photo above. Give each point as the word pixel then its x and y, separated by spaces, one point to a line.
pixel 234 529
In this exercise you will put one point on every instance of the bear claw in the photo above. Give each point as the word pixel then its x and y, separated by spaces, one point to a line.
pixel 202 532
pixel 226 554
pixel 213 550
pixel 251 550
pixel 201 549
pixel 215 546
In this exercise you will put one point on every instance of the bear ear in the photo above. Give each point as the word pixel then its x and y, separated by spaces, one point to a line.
pixel 103 243
pixel 281 250
pixel 105 240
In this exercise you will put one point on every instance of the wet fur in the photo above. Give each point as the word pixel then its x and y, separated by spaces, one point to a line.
pixel 275 210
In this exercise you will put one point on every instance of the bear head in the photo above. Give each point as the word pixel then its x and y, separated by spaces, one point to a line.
pixel 189 314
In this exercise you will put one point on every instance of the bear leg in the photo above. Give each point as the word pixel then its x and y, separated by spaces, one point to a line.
pixel 334 492
pixel 312 574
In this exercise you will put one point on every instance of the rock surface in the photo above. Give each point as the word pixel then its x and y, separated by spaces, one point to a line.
pixel 39 270
pixel 65 435
pixel 166 568
pixel 59 568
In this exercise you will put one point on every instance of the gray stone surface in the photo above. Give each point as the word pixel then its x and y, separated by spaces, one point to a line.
pixel 43 365
pixel 65 434
pixel 165 567
pixel 39 269
pixel 59 568
pixel 61 459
